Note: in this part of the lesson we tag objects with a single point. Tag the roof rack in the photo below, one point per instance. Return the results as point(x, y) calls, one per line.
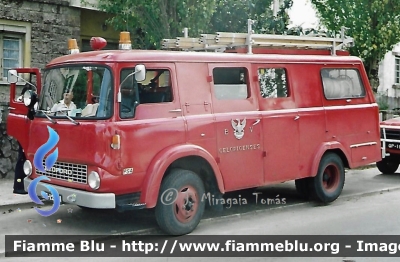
point(223, 40)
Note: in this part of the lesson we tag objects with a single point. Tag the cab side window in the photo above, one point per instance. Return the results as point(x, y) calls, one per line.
point(273, 82)
point(342, 83)
point(230, 83)
point(156, 88)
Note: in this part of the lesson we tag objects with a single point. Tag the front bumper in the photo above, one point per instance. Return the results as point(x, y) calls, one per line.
point(385, 140)
point(77, 197)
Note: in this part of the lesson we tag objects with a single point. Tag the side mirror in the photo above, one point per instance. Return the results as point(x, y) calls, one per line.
point(12, 76)
point(31, 101)
point(140, 73)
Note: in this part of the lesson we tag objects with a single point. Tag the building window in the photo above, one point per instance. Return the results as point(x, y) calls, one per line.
point(397, 70)
point(273, 82)
point(15, 46)
point(11, 52)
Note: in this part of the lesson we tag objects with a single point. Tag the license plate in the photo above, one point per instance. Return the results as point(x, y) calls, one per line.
point(50, 197)
point(393, 146)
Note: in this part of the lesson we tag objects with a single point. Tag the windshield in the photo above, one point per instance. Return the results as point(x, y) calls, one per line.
point(77, 91)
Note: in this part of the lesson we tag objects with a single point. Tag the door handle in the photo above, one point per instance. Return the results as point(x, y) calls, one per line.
point(11, 108)
point(296, 118)
point(175, 110)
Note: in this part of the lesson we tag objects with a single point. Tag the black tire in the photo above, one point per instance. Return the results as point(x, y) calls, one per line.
point(328, 184)
point(386, 166)
point(86, 208)
point(180, 207)
point(303, 187)
point(89, 209)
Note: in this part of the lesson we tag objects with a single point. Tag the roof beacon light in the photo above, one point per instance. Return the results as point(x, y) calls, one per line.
point(125, 41)
point(97, 43)
point(72, 46)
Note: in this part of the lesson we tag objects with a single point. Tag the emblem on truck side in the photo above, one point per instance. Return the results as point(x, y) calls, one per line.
point(239, 128)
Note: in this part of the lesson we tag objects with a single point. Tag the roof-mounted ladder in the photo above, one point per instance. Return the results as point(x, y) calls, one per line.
point(222, 40)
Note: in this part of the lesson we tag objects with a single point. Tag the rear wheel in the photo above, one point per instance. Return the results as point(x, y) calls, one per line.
point(387, 166)
point(180, 207)
point(328, 184)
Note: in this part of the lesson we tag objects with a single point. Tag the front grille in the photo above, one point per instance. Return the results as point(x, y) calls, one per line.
point(391, 134)
point(66, 171)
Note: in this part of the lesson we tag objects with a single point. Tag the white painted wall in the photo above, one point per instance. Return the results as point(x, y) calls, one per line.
point(386, 74)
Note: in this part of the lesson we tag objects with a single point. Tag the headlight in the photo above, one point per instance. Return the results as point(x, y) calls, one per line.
point(94, 180)
point(28, 168)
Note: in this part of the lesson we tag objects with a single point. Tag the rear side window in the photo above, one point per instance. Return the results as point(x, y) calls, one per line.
point(342, 83)
point(230, 83)
point(273, 82)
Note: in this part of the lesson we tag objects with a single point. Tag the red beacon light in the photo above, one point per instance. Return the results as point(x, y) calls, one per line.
point(97, 43)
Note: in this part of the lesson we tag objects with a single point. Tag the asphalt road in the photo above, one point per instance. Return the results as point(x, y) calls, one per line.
point(368, 205)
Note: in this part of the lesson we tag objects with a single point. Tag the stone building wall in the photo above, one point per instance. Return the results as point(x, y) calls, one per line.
point(8, 147)
point(53, 22)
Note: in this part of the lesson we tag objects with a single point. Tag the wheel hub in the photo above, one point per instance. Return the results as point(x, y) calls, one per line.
point(186, 204)
point(330, 178)
point(189, 204)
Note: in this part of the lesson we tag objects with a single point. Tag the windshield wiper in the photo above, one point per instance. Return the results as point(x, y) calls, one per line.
point(66, 115)
point(73, 121)
point(49, 118)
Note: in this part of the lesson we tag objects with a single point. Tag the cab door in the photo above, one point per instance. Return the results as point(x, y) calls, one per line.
point(238, 126)
point(17, 122)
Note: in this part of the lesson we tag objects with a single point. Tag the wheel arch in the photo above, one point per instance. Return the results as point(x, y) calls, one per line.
point(330, 147)
point(186, 156)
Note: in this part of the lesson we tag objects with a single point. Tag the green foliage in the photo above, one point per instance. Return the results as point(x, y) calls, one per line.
point(149, 21)
point(381, 100)
point(374, 25)
point(383, 105)
point(232, 15)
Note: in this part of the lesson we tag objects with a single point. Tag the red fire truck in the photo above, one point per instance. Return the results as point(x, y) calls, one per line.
point(164, 128)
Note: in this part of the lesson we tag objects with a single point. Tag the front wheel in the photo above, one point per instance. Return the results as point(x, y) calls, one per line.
point(180, 207)
point(386, 166)
point(328, 184)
